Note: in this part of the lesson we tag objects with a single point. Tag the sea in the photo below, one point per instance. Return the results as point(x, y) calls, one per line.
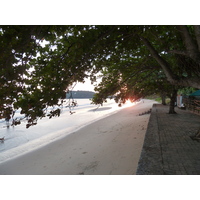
point(20, 140)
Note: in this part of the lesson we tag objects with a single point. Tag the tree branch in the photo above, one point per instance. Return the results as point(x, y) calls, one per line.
point(191, 47)
point(188, 82)
point(184, 53)
point(172, 78)
point(189, 42)
point(165, 66)
point(197, 34)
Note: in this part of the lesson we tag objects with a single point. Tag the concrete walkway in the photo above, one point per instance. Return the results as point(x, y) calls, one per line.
point(168, 148)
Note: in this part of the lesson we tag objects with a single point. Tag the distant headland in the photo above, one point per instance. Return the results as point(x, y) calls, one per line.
point(80, 94)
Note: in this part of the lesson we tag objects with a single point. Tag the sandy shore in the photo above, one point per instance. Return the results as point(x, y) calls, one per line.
point(111, 145)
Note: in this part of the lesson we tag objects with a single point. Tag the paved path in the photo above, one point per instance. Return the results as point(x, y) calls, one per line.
point(167, 148)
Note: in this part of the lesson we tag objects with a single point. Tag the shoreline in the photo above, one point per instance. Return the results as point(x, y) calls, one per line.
point(26, 140)
point(51, 137)
point(111, 145)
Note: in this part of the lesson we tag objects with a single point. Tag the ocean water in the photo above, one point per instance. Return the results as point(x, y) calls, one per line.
point(20, 140)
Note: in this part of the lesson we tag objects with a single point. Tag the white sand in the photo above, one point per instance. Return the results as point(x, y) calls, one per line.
point(111, 145)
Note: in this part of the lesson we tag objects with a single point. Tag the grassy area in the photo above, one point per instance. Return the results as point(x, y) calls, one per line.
point(157, 98)
point(152, 97)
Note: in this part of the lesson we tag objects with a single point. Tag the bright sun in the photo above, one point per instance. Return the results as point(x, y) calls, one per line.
point(128, 103)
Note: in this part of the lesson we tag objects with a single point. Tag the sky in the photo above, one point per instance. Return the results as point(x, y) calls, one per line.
point(84, 86)
point(87, 86)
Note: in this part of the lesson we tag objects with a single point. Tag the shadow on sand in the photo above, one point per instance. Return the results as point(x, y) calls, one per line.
point(99, 109)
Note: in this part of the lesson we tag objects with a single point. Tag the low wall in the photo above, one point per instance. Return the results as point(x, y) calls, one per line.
point(150, 162)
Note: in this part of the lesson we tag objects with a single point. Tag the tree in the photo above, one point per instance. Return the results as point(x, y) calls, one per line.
point(182, 42)
point(131, 83)
point(39, 63)
point(34, 75)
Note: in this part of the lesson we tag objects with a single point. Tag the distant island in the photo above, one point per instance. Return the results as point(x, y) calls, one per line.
point(80, 94)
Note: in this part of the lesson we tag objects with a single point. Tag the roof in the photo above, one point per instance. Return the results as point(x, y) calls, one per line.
point(197, 93)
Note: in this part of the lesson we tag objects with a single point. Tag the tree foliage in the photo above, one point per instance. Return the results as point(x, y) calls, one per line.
point(38, 64)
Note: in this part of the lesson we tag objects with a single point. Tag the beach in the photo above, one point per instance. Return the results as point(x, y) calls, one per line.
point(109, 146)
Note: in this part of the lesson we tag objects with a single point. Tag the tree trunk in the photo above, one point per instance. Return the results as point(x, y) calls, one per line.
point(163, 97)
point(172, 102)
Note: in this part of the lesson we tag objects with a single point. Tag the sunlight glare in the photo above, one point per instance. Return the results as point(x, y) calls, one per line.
point(129, 103)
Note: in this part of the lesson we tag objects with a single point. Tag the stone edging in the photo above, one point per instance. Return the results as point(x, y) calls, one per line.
point(150, 162)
